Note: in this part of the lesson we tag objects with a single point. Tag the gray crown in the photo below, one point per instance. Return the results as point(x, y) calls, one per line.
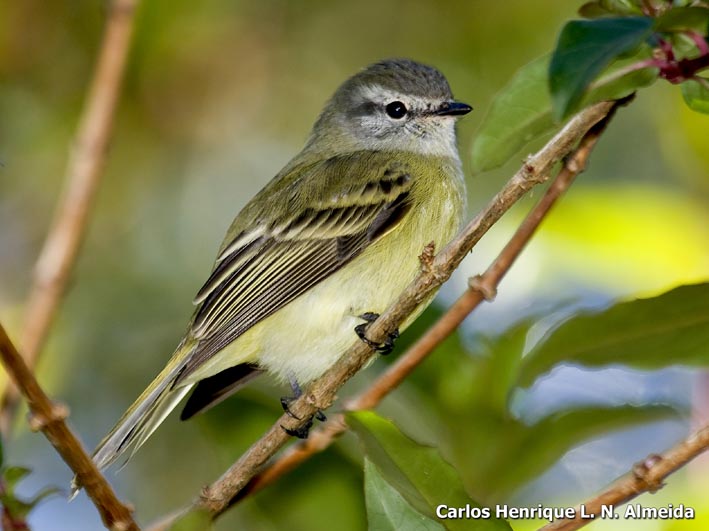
point(404, 76)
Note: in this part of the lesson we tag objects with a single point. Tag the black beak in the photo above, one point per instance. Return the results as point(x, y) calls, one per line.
point(453, 108)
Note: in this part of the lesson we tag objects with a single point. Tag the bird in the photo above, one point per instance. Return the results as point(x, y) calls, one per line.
point(324, 248)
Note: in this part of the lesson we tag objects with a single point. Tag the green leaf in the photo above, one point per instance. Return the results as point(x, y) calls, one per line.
point(16, 507)
point(693, 18)
point(521, 112)
point(593, 10)
point(517, 452)
point(386, 508)
point(683, 46)
point(619, 80)
point(195, 520)
point(13, 475)
point(670, 329)
point(505, 358)
point(605, 8)
point(44, 493)
point(584, 49)
point(418, 473)
point(623, 7)
point(541, 445)
point(696, 95)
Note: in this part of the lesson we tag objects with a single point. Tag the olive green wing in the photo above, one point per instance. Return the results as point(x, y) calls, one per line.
point(268, 264)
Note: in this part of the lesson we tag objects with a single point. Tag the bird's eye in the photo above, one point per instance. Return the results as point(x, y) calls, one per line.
point(396, 110)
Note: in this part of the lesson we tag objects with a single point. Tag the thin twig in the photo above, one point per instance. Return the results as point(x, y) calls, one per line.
point(84, 168)
point(48, 417)
point(217, 497)
point(482, 287)
point(647, 476)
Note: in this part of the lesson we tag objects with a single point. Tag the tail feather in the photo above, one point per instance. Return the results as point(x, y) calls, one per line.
point(145, 415)
point(214, 389)
point(162, 408)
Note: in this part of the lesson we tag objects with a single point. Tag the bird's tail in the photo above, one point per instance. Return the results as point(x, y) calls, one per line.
point(142, 418)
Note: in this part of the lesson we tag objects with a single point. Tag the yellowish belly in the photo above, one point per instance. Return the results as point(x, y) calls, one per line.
point(307, 336)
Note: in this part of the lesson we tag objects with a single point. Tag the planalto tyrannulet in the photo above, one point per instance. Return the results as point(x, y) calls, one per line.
point(329, 243)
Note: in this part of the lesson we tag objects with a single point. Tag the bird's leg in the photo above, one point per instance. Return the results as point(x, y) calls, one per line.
point(288, 400)
point(302, 432)
point(361, 329)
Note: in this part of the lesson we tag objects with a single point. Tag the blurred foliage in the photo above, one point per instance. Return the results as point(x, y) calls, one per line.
point(523, 110)
point(387, 509)
point(638, 334)
point(16, 509)
point(219, 95)
point(197, 520)
point(416, 472)
point(584, 49)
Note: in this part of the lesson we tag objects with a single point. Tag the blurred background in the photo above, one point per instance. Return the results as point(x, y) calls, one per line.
point(218, 96)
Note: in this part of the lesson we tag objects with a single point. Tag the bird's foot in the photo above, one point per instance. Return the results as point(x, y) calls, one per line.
point(303, 431)
point(361, 330)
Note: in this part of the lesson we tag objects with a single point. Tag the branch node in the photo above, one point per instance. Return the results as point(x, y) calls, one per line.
point(207, 497)
point(528, 168)
point(477, 283)
point(121, 525)
point(530, 174)
point(572, 164)
point(39, 422)
point(642, 470)
point(426, 258)
point(312, 400)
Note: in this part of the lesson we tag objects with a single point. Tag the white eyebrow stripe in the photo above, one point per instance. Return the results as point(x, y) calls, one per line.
point(379, 94)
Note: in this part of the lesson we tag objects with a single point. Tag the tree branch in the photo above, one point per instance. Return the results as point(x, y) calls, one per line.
point(84, 169)
point(218, 496)
point(482, 287)
point(647, 476)
point(48, 417)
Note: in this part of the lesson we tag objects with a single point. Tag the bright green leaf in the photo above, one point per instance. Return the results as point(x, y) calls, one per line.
point(670, 329)
point(387, 510)
point(417, 472)
point(684, 18)
point(584, 49)
point(696, 95)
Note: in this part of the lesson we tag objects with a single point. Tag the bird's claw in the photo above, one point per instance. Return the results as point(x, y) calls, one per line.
point(361, 330)
point(303, 431)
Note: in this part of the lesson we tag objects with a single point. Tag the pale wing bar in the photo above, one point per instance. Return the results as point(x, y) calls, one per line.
point(254, 281)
